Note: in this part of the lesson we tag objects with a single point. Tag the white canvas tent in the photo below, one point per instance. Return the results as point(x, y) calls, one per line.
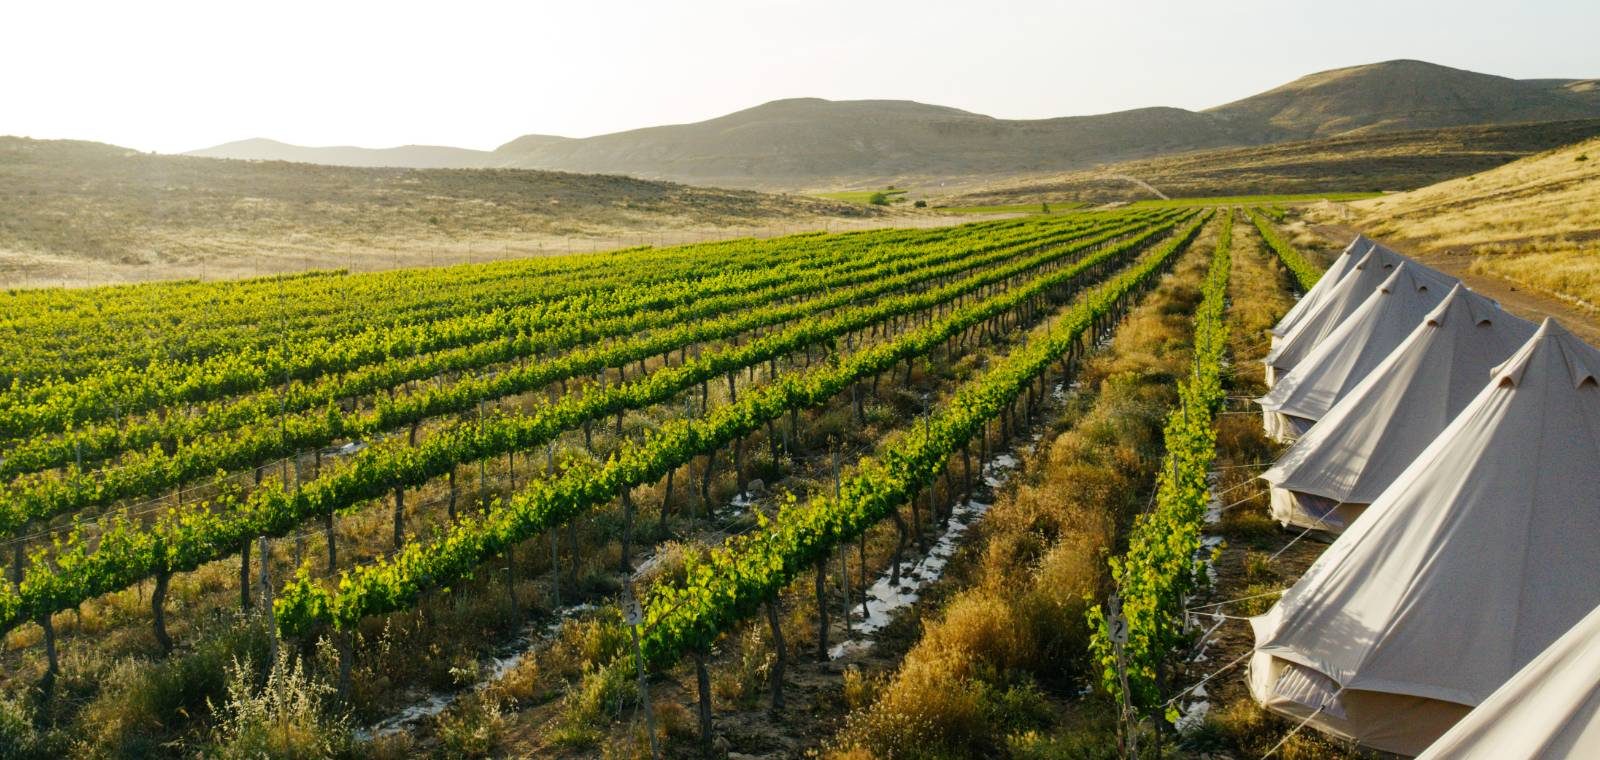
point(1549, 709)
point(1341, 266)
point(1349, 353)
point(1483, 552)
point(1345, 297)
point(1356, 450)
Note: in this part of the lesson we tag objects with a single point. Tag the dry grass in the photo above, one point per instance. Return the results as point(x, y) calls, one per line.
point(1240, 724)
point(979, 678)
point(1535, 222)
point(80, 213)
point(1237, 726)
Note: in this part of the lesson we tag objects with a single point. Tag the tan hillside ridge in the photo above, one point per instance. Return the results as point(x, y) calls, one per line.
point(1533, 222)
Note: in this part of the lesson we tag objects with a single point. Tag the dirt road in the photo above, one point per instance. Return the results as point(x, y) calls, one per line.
point(1519, 300)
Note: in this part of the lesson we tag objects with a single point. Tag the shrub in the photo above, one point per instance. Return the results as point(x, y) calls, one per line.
point(582, 642)
point(137, 703)
point(521, 684)
point(601, 692)
point(1239, 727)
point(675, 722)
point(743, 682)
point(1258, 567)
point(286, 718)
point(860, 690)
point(1016, 707)
point(930, 704)
point(920, 204)
point(18, 738)
point(473, 728)
point(1257, 598)
point(879, 199)
point(1032, 745)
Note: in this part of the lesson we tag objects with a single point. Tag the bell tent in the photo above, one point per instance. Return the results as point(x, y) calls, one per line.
point(1481, 553)
point(1340, 362)
point(1551, 708)
point(1348, 295)
point(1330, 475)
point(1341, 266)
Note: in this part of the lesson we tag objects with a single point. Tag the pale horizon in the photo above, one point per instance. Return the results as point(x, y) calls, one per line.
point(189, 75)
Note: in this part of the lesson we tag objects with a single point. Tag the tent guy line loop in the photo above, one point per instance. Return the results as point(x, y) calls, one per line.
point(1240, 502)
point(1302, 724)
point(1303, 533)
point(1203, 681)
point(1251, 465)
point(1210, 605)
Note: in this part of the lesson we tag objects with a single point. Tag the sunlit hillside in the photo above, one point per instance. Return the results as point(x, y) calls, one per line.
point(1535, 221)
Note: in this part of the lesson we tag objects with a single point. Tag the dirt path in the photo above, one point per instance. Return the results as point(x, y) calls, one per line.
point(1517, 299)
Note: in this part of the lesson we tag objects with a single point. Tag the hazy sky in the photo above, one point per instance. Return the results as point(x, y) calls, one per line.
point(171, 76)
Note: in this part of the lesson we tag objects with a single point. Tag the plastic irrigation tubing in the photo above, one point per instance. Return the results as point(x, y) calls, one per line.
point(394, 583)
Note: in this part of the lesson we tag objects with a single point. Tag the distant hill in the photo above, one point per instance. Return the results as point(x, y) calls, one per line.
point(1400, 95)
point(90, 212)
point(1367, 161)
point(405, 156)
point(811, 143)
point(809, 140)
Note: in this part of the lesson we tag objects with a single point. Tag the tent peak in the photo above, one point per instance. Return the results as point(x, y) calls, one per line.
point(1552, 343)
point(1469, 303)
point(1406, 274)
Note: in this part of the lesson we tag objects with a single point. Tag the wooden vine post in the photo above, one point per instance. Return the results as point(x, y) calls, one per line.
point(399, 517)
point(627, 530)
point(634, 616)
point(822, 608)
point(782, 650)
point(266, 595)
point(158, 603)
point(1117, 630)
point(244, 576)
point(702, 678)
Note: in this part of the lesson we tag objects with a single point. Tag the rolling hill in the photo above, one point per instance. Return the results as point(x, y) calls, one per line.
point(1534, 222)
point(406, 156)
point(1367, 161)
point(83, 212)
point(1401, 95)
point(815, 143)
point(821, 142)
